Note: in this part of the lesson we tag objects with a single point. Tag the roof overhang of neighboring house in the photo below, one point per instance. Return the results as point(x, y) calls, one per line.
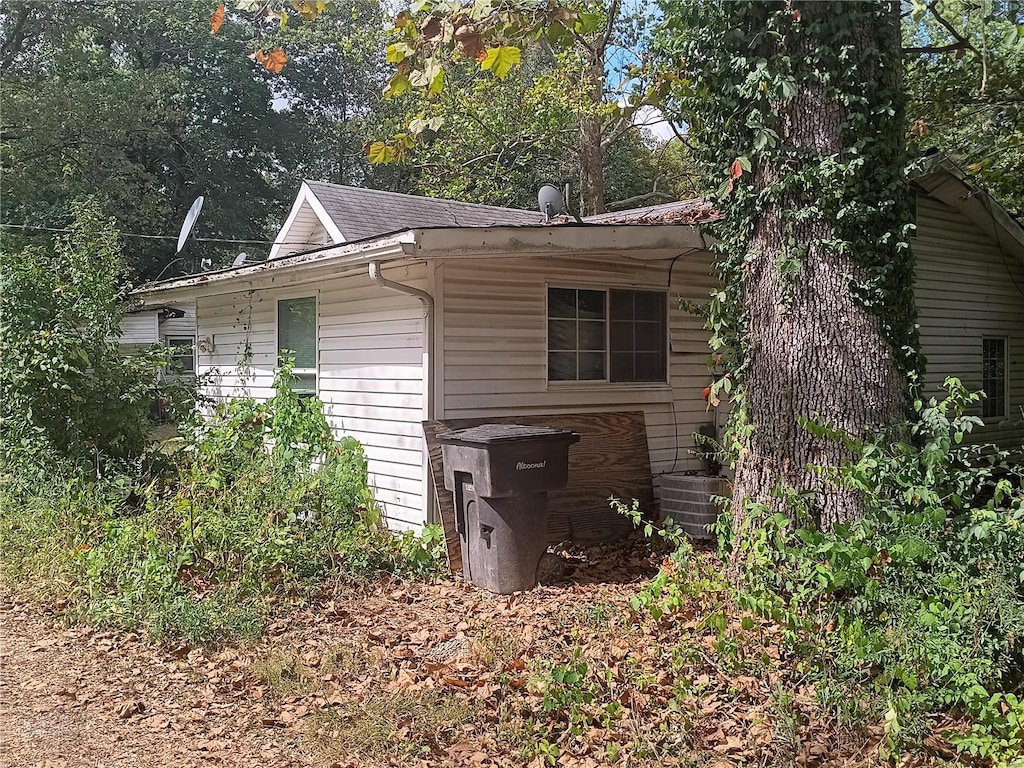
point(646, 242)
point(945, 181)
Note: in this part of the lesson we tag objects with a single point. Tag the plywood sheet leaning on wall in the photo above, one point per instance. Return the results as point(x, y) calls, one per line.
point(611, 459)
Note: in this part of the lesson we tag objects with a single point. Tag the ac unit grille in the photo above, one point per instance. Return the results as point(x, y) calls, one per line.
point(687, 500)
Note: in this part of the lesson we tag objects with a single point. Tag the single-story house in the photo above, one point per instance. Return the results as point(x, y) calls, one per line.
point(403, 309)
point(173, 325)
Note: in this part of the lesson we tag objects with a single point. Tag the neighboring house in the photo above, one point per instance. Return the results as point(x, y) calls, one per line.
point(173, 325)
point(400, 309)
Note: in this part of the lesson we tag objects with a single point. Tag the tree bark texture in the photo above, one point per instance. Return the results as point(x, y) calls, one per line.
point(814, 351)
point(591, 153)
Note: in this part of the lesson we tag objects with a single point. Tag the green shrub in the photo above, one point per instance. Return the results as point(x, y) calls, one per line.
point(259, 503)
point(68, 395)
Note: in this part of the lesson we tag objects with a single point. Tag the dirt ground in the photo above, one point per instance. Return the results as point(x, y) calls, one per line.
point(418, 674)
point(82, 697)
point(76, 696)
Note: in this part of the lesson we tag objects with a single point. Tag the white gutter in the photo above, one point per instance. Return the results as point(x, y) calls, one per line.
point(330, 260)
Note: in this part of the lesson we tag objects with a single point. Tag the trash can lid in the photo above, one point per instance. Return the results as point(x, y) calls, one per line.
point(485, 434)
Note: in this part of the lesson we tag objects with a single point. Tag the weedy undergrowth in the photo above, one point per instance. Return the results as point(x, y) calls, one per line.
point(260, 503)
point(915, 609)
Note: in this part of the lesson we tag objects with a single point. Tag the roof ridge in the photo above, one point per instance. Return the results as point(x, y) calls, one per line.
point(418, 197)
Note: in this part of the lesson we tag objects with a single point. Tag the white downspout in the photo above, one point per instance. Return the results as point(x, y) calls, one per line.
point(428, 329)
point(428, 363)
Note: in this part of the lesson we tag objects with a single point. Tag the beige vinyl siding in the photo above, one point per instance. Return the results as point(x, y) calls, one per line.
point(965, 291)
point(370, 371)
point(493, 340)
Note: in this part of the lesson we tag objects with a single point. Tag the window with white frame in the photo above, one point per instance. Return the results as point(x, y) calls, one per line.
point(183, 354)
point(296, 338)
point(993, 377)
point(607, 335)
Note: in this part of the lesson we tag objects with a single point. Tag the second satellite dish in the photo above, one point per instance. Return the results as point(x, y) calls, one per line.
point(550, 201)
point(189, 223)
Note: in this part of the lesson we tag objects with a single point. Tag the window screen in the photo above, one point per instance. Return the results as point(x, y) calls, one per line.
point(296, 331)
point(993, 377)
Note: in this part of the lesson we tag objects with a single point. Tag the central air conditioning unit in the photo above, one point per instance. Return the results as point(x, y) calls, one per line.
point(687, 500)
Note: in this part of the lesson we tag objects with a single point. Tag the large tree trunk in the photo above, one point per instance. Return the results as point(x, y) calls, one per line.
point(591, 154)
point(813, 349)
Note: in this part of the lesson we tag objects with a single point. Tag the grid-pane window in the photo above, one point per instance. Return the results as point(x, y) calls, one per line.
point(296, 338)
point(577, 330)
point(599, 335)
point(993, 377)
point(637, 336)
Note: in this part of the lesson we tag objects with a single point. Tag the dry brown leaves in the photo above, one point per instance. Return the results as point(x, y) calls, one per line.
point(437, 674)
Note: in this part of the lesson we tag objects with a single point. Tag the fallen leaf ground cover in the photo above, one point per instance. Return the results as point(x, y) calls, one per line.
point(436, 674)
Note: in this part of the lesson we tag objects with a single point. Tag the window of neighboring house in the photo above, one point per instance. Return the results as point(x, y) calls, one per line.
point(296, 338)
point(993, 377)
point(183, 357)
point(607, 335)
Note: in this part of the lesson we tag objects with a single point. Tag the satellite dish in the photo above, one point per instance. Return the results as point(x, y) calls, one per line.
point(550, 201)
point(189, 223)
point(240, 259)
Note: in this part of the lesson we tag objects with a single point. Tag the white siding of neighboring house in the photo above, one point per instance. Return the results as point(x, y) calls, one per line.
point(179, 327)
point(139, 328)
point(493, 333)
point(965, 290)
point(370, 372)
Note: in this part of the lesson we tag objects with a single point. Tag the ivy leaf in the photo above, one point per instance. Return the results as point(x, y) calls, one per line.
point(736, 169)
point(499, 61)
point(217, 19)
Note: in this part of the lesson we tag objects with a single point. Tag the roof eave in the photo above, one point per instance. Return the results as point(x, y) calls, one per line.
point(947, 182)
point(300, 267)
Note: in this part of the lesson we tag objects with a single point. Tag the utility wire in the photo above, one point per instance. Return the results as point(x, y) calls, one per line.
point(158, 237)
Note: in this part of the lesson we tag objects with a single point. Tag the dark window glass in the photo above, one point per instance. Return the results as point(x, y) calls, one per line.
point(562, 366)
point(183, 358)
point(638, 349)
point(576, 335)
point(993, 378)
point(296, 331)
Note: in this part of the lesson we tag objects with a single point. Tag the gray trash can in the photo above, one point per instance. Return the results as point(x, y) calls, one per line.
point(500, 475)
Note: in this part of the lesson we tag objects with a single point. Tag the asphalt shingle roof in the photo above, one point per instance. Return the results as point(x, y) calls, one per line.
point(361, 213)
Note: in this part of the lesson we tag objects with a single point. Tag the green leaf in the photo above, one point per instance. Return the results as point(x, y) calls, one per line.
point(499, 61)
point(380, 153)
point(587, 22)
point(398, 85)
point(397, 53)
